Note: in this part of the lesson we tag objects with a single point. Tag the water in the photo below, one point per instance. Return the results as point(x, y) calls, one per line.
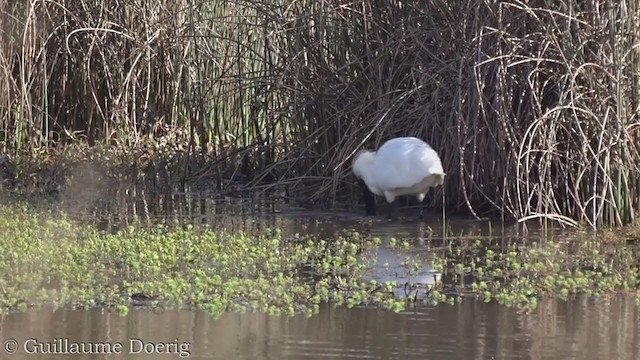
point(575, 329)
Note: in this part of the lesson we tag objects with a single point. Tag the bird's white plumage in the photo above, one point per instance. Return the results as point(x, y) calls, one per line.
point(401, 166)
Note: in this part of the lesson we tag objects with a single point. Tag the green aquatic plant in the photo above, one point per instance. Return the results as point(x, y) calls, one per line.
point(520, 274)
point(48, 259)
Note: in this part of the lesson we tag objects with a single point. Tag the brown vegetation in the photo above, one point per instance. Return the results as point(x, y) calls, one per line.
point(533, 105)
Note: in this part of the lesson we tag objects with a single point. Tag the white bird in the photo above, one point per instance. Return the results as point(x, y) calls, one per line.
point(401, 166)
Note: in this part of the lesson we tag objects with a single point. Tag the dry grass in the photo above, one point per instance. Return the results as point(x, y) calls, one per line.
point(533, 105)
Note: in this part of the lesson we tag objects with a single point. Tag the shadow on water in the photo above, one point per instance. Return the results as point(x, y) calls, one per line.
point(574, 329)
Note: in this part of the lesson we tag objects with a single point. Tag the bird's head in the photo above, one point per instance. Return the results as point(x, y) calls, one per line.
point(438, 179)
point(361, 161)
point(360, 165)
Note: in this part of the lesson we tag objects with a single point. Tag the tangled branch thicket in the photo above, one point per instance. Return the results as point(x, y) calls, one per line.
point(533, 105)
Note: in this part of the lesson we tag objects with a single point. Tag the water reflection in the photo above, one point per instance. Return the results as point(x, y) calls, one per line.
point(578, 329)
point(114, 207)
point(409, 268)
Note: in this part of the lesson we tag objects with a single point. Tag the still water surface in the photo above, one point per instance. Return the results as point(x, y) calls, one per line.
point(471, 330)
point(575, 329)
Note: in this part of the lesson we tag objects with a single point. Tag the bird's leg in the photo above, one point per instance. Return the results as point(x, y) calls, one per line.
point(369, 199)
point(391, 200)
point(391, 206)
point(421, 204)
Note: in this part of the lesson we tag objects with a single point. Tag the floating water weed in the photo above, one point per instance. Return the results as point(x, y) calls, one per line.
point(518, 275)
point(48, 259)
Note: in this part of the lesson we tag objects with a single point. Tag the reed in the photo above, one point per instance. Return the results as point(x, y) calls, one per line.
point(533, 105)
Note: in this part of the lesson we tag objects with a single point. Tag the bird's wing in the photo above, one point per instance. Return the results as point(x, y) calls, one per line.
point(405, 163)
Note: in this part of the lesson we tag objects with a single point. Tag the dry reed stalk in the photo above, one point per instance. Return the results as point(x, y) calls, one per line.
point(532, 105)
